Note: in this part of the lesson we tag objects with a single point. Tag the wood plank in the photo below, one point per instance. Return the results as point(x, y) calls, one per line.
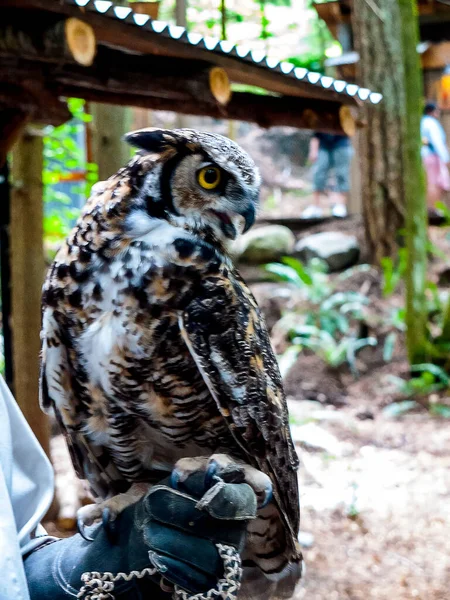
point(27, 275)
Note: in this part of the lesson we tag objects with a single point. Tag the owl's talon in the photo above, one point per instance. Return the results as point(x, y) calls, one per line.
point(109, 525)
point(81, 527)
point(175, 479)
point(210, 474)
point(268, 495)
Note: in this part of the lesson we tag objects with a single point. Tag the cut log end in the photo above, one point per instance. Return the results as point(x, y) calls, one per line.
point(81, 41)
point(347, 120)
point(219, 85)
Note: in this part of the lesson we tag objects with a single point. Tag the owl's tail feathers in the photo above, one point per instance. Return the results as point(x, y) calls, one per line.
point(258, 586)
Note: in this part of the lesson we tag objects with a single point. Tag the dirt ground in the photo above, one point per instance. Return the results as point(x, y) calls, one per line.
point(375, 490)
point(376, 502)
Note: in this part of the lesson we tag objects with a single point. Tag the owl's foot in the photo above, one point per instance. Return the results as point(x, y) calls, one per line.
point(230, 470)
point(108, 510)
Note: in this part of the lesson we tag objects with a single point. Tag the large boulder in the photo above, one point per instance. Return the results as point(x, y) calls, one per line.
point(264, 244)
point(338, 250)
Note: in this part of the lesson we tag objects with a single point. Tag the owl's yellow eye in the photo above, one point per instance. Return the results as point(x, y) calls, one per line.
point(209, 177)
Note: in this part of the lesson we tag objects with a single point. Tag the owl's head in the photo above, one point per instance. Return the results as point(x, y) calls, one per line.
point(198, 180)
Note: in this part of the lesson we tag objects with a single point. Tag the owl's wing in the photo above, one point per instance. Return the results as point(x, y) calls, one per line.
point(227, 337)
point(60, 391)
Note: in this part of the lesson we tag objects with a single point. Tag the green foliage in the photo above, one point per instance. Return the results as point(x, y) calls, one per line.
point(313, 279)
point(334, 352)
point(440, 410)
point(393, 273)
point(429, 379)
point(62, 155)
point(318, 42)
point(329, 326)
point(436, 308)
point(398, 409)
point(313, 61)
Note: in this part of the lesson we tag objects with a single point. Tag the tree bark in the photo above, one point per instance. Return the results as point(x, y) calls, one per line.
point(377, 25)
point(414, 186)
point(391, 168)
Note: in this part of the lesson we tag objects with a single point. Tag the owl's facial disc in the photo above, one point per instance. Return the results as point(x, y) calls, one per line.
point(206, 194)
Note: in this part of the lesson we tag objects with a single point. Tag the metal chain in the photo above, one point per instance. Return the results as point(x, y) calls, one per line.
point(227, 588)
point(100, 586)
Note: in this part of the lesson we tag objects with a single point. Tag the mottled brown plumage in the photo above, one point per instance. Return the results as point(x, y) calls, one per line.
point(154, 349)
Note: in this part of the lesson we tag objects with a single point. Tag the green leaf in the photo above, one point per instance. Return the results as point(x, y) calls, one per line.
point(389, 345)
point(299, 268)
point(397, 409)
point(284, 273)
point(438, 372)
point(355, 346)
point(440, 410)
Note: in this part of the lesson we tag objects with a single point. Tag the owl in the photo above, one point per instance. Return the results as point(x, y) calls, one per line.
point(155, 355)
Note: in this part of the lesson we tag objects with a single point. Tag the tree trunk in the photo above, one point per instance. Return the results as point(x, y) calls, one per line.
point(414, 186)
point(391, 169)
point(377, 25)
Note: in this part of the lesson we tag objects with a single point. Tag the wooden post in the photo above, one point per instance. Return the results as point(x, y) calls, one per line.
point(355, 198)
point(181, 20)
point(5, 277)
point(109, 124)
point(27, 275)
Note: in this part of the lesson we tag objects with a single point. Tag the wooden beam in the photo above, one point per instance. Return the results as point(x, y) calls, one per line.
point(437, 56)
point(22, 95)
point(27, 275)
point(70, 38)
point(266, 111)
point(117, 72)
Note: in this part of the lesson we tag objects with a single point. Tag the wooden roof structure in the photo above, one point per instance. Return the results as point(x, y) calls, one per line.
point(51, 49)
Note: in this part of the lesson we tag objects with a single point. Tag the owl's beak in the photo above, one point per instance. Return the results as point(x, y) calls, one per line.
point(249, 214)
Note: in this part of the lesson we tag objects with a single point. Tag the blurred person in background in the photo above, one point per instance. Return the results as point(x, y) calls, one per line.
point(435, 156)
point(329, 153)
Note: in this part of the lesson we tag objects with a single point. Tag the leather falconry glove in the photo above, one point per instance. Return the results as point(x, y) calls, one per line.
point(182, 543)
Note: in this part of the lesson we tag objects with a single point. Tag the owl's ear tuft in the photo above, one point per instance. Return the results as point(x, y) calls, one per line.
point(151, 139)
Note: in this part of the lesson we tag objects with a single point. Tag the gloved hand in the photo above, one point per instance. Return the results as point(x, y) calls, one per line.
point(173, 541)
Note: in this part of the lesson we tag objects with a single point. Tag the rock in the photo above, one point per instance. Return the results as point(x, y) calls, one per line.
point(264, 244)
point(252, 274)
point(307, 411)
point(338, 250)
point(274, 299)
point(306, 539)
point(313, 437)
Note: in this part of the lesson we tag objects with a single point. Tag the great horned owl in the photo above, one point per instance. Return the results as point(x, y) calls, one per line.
point(154, 349)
